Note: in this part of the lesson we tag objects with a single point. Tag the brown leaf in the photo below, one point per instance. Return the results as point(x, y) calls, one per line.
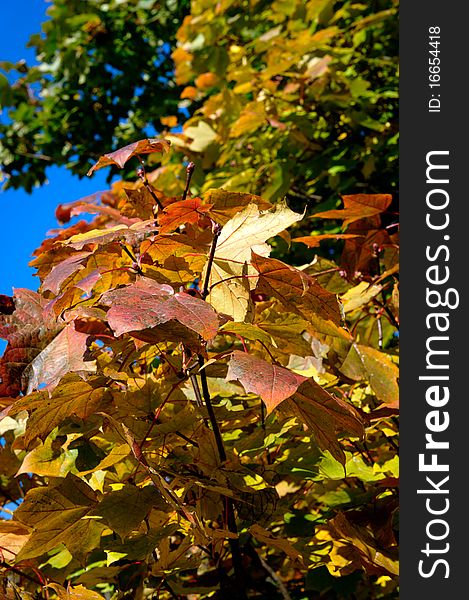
point(63, 355)
point(272, 383)
point(299, 293)
point(7, 305)
point(226, 204)
point(179, 213)
point(121, 156)
point(27, 332)
point(146, 304)
point(326, 415)
point(358, 206)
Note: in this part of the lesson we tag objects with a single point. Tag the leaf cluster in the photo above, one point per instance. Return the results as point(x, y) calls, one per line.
point(186, 416)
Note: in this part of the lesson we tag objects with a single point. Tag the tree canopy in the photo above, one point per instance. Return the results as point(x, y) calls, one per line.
point(287, 96)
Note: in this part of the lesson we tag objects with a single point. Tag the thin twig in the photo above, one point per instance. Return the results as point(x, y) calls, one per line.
point(144, 179)
point(216, 234)
point(273, 575)
point(189, 170)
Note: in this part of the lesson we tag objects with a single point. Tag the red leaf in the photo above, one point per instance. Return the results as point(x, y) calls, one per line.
point(147, 304)
point(27, 332)
point(299, 293)
point(179, 213)
point(272, 383)
point(121, 156)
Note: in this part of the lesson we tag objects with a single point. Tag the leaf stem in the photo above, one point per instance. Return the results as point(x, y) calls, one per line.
point(216, 228)
point(189, 170)
point(143, 177)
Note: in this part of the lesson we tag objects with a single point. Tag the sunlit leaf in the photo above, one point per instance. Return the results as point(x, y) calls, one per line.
point(148, 304)
point(121, 156)
point(272, 383)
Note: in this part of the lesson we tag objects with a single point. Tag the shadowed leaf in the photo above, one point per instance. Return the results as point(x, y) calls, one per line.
point(299, 293)
point(325, 415)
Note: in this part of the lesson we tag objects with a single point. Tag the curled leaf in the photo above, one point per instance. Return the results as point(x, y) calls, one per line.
point(121, 156)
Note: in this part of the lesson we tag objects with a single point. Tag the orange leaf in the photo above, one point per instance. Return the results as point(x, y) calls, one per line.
point(179, 213)
point(358, 206)
point(313, 241)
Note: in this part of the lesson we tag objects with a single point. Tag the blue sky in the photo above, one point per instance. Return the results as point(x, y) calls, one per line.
point(25, 217)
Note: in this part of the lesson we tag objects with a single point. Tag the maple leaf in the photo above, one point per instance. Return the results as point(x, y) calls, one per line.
point(27, 332)
point(55, 513)
point(72, 397)
point(63, 355)
point(53, 281)
point(299, 293)
point(247, 231)
point(146, 304)
point(180, 213)
point(121, 156)
point(272, 383)
point(358, 206)
point(226, 204)
point(325, 415)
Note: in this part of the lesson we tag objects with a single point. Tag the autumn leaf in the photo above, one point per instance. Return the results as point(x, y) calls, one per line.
point(366, 363)
point(72, 397)
point(114, 507)
point(72, 592)
point(121, 156)
point(299, 293)
point(226, 204)
point(180, 213)
point(55, 513)
point(147, 304)
point(272, 383)
point(358, 206)
point(118, 232)
point(65, 354)
point(325, 415)
point(271, 541)
point(53, 281)
point(314, 241)
point(14, 536)
point(247, 231)
point(27, 331)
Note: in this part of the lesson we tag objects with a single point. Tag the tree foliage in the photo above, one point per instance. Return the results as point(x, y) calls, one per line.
point(104, 78)
point(186, 416)
point(288, 96)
